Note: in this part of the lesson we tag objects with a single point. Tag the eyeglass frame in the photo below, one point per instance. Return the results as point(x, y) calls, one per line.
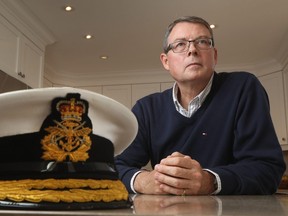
point(189, 43)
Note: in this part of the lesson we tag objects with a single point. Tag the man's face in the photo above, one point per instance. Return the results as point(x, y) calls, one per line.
point(194, 64)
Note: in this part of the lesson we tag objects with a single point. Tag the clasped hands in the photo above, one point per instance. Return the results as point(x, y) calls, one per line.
point(176, 174)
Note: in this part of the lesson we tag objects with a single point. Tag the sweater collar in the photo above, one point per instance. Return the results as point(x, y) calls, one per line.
point(195, 103)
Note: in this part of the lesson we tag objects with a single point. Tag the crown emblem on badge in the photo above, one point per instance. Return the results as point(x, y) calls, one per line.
point(71, 109)
point(68, 138)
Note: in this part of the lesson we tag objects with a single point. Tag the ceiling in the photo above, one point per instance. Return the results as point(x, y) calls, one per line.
point(130, 32)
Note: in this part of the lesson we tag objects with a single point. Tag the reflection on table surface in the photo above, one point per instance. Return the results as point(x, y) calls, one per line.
point(185, 205)
point(211, 205)
point(198, 205)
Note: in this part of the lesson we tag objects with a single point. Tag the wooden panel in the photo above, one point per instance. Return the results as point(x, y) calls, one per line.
point(141, 90)
point(273, 83)
point(120, 93)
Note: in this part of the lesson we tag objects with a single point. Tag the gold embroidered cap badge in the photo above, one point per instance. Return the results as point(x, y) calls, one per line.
point(68, 137)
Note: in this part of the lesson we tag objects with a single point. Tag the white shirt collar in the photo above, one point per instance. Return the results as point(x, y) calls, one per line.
point(195, 103)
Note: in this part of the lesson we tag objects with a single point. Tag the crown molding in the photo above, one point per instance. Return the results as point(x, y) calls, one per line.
point(146, 76)
point(257, 68)
point(17, 14)
point(282, 54)
point(109, 78)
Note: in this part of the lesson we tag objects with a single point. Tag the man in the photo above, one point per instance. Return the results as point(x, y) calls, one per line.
point(210, 134)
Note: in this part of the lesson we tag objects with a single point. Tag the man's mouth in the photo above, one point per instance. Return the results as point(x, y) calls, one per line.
point(193, 64)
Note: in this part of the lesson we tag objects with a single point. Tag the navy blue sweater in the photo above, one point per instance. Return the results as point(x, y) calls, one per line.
point(231, 134)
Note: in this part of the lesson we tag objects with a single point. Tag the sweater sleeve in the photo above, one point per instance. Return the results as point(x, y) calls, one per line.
point(136, 155)
point(258, 161)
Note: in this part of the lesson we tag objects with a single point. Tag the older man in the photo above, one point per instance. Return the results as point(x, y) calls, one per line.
point(210, 134)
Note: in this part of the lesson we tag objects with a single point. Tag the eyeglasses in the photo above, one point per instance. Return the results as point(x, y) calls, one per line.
point(183, 45)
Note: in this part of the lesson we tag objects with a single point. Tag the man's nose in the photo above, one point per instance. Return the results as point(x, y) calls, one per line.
point(192, 48)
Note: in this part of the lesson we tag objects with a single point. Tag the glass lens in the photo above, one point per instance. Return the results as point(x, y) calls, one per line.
point(180, 46)
point(203, 43)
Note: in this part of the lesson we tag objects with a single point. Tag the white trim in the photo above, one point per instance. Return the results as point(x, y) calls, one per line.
point(144, 76)
point(19, 16)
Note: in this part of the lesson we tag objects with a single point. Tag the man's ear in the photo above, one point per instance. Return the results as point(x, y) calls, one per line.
point(164, 60)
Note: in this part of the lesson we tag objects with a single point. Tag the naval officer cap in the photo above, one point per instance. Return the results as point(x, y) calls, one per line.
point(58, 147)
